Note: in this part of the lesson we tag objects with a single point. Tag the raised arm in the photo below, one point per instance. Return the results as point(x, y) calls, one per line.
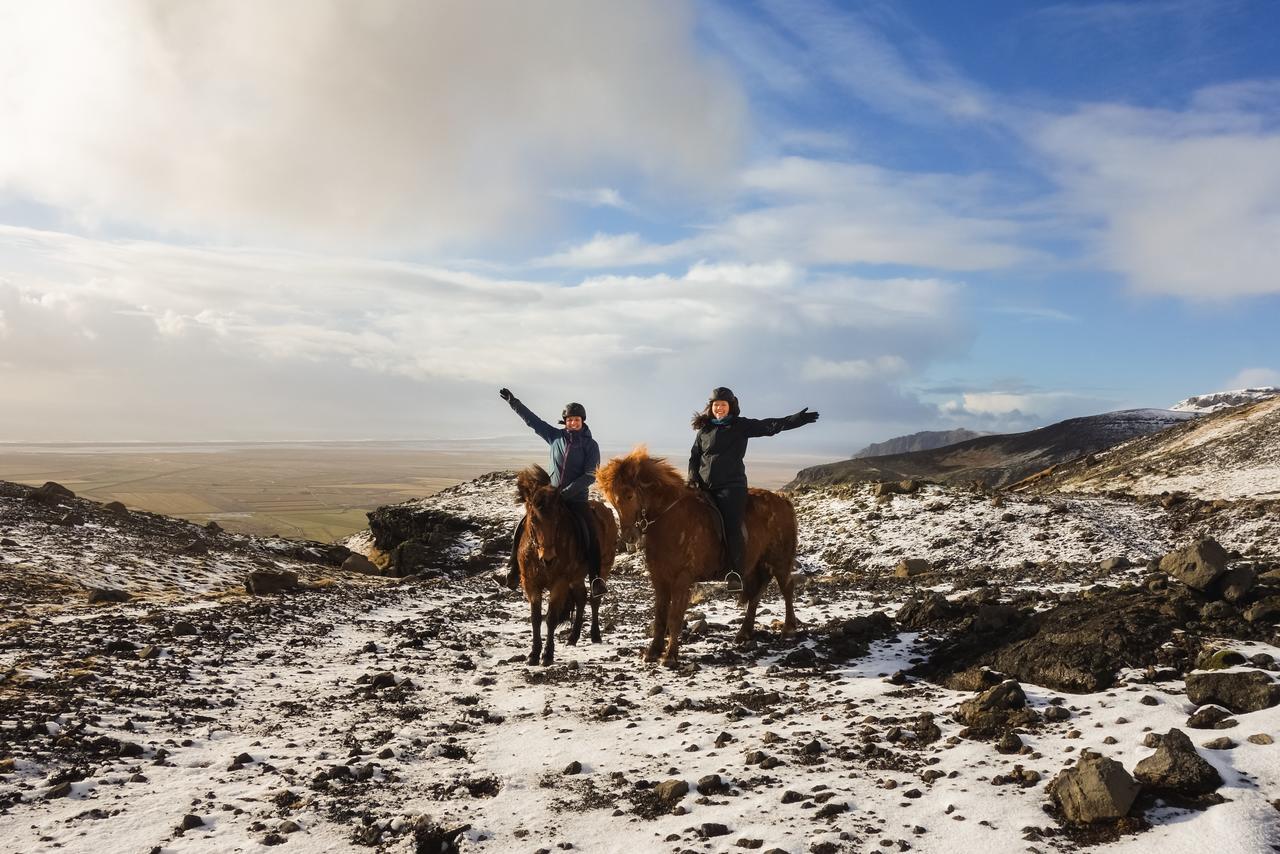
point(756, 427)
point(546, 431)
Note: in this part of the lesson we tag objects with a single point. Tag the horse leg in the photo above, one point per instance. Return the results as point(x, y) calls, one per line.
point(661, 603)
point(579, 594)
point(535, 618)
point(595, 619)
point(556, 601)
point(675, 622)
point(788, 589)
point(746, 634)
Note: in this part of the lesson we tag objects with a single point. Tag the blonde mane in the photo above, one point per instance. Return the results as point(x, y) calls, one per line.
point(638, 469)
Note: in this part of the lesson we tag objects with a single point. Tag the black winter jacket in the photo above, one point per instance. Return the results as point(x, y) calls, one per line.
point(716, 460)
point(575, 456)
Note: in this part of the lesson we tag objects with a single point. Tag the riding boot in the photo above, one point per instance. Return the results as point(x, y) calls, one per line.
point(595, 584)
point(732, 503)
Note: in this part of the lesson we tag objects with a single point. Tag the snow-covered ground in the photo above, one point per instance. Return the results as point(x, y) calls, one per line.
point(330, 719)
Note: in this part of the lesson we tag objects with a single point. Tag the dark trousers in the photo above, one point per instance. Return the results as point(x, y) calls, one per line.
point(732, 503)
point(582, 511)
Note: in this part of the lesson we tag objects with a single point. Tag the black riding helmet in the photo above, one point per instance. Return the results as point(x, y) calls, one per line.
point(726, 395)
point(573, 409)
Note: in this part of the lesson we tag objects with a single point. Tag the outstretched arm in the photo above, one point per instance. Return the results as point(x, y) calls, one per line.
point(773, 426)
point(542, 428)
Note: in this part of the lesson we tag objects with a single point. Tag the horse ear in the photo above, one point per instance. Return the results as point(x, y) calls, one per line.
point(528, 481)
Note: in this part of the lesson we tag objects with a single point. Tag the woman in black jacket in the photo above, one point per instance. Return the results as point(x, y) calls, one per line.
point(716, 463)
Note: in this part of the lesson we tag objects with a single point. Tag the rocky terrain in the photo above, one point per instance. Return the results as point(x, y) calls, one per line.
point(975, 671)
point(1231, 455)
point(925, 440)
point(1205, 404)
point(999, 460)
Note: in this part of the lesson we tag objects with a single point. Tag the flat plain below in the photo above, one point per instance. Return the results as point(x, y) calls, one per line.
point(310, 490)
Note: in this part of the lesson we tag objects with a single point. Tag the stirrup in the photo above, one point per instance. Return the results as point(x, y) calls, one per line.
point(733, 582)
point(598, 588)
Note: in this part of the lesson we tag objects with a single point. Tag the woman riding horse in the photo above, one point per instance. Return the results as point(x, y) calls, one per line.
point(575, 456)
point(716, 464)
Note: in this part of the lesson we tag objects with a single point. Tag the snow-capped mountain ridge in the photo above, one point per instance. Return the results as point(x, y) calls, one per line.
point(1205, 404)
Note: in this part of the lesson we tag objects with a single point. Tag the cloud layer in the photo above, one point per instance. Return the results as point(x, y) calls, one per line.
point(381, 124)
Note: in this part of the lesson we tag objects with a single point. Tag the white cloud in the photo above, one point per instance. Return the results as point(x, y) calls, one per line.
point(881, 367)
point(1184, 203)
point(814, 211)
point(1253, 378)
point(100, 326)
point(389, 124)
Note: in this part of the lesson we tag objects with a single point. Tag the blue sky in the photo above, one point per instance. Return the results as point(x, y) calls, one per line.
point(909, 215)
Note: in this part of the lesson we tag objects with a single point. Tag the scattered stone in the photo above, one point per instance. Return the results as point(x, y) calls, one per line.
point(106, 595)
point(913, 566)
point(361, 564)
point(1177, 767)
point(574, 767)
point(1237, 583)
point(191, 822)
point(1197, 565)
point(51, 494)
point(1009, 743)
point(1241, 691)
point(672, 791)
point(115, 508)
point(263, 582)
point(1113, 564)
point(712, 784)
point(1261, 738)
point(996, 709)
point(1095, 788)
point(1220, 743)
point(1211, 717)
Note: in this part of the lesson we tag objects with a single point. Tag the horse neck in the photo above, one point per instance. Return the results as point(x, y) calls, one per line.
point(660, 496)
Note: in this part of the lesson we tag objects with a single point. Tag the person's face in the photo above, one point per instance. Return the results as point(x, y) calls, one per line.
point(573, 423)
point(719, 408)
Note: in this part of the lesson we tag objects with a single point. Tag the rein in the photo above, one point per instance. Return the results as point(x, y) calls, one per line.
point(644, 523)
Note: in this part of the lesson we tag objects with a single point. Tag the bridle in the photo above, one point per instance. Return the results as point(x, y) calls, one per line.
point(644, 523)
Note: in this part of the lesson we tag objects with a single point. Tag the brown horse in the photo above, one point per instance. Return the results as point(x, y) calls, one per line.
point(552, 557)
point(682, 545)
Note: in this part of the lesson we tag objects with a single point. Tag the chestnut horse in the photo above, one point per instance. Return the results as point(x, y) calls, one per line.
point(552, 557)
point(682, 545)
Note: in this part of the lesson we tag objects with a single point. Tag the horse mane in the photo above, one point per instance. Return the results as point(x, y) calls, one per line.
point(529, 481)
point(638, 468)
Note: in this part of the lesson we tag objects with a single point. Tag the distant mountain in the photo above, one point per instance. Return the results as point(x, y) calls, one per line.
point(1001, 459)
point(925, 440)
point(1217, 401)
point(1233, 453)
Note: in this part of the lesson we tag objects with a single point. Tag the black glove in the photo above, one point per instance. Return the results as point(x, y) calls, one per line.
point(505, 394)
point(804, 416)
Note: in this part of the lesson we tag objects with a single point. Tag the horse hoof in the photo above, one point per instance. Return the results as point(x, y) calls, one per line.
point(746, 643)
point(532, 659)
point(670, 663)
point(546, 661)
point(571, 641)
point(595, 637)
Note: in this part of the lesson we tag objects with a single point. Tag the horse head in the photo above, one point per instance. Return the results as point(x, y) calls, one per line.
point(633, 485)
point(545, 512)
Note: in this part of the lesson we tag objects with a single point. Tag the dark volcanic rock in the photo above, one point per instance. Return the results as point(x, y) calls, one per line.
point(1241, 691)
point(1197, 565)
point(51, 494)
point(933, 609)
point(104, 595)
point(1080, 645)
point(996, 710)
point(361, 564)
point(1177, 767)
point(1096, 788)
point(262, 581)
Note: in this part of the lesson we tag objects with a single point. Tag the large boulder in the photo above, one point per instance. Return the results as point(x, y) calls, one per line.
point(996, 710)
point(51, 494)
point(931, 610)
point(1096, 788)
point(1197, 565)
point(261, 582)
point(912, 566)
point(1241, 691)
point(1237, 582)
point(901, 487)
point(361, 564)
point(1177, 767)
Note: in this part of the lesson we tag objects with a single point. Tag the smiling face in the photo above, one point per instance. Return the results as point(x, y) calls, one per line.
point(573, 424)
point(720, 408)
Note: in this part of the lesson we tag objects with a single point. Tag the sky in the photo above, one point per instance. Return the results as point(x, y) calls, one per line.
point(317, 219)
